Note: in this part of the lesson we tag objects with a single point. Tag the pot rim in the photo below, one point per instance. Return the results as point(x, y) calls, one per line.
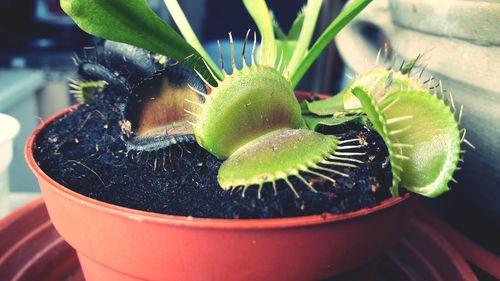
point(188, 221)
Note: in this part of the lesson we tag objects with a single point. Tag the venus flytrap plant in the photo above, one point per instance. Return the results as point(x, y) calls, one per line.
point(84, 91)
point(254, 110)
point(415, 119)
point(251, 118)
point(248, 103)
point(422, 137)
point(155, 89)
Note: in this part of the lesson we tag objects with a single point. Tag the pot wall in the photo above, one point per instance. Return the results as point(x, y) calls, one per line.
point(116, 243)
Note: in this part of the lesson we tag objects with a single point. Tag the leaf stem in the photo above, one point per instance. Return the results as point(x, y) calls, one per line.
point(187, 32)
point(326, 37)
point(262, 16)
point(311, 12)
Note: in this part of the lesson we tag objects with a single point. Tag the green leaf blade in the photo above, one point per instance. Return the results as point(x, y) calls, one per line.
point(310, 15)
point(327, 36)
point(262, 17)
point(314, 122)
point(277, 29)
point(294, 32)
point(286, 47)
point(185, 28)
point(324, 107)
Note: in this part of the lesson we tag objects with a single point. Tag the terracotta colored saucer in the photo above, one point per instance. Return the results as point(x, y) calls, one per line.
point(31, 249)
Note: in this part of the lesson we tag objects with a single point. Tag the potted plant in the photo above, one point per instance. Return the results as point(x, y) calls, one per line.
point(218, 147)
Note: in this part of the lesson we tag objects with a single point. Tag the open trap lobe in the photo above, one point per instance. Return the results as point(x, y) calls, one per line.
point(158, 106)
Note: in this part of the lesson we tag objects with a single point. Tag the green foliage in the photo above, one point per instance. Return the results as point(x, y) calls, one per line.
point(314, 122)
point(324, 107)
point(379, 123)
point(418, 128)
point(380, 83)
point(432, 138)
point(278, 31)
point(253, 120)
point(286, 47)
point(294, 32)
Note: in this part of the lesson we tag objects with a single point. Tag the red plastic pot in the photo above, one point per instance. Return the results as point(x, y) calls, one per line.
point(116, 243)
point(423, 253)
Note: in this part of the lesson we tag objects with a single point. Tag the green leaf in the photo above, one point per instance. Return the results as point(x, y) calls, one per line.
point(287, 47)
point(133, 22)
point(314, 122)
point(294, 32)
point(311, 12)
point(182, 23)
point(326, 37)
point(262, 16)
point(277, 28)
point(323, 107)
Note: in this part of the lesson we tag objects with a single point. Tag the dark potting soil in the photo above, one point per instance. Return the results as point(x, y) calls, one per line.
point(85, 151)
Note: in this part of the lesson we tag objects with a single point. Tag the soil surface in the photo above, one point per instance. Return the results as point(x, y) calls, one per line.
point(86, 151)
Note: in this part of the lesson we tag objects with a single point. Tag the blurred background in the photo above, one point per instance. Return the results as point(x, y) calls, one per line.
point(462, 38)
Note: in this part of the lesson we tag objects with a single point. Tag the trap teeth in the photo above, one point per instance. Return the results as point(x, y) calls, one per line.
point(280, 155)
point(379, 83)
point(156, 142)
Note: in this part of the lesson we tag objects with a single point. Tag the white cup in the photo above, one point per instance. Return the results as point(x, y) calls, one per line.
point(9, 128)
